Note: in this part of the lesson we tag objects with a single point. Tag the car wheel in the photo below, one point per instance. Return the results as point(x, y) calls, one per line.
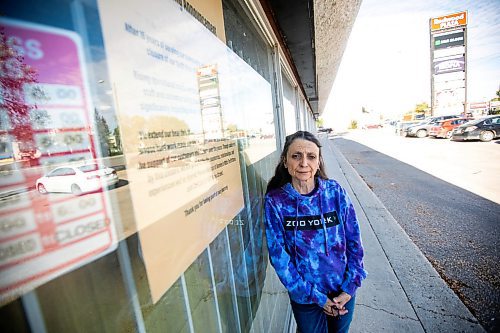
point(76, 190)
point(41, 189)
point(449, 134)
point(486, 136)
point(421, 133)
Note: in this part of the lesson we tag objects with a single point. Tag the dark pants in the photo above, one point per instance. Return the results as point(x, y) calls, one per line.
point(310, 318)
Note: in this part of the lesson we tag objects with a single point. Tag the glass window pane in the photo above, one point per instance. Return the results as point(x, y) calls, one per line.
point(240, 271)
point(110, 290)
point(289, 107)
point(69, 302)
point(201, 295)
point(224, 282)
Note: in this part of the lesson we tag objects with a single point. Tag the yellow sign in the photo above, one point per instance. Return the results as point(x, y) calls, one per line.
point(449, 21)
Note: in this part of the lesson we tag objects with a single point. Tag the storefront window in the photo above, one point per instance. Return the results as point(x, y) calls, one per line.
point(242, 37)
point(289, 104)
point(135, 149)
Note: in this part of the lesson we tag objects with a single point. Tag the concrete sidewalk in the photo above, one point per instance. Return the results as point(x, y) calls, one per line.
point(403, 292)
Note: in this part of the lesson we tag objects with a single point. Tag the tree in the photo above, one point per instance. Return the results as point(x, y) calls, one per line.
point(15, 75)
point(102, 130)
point(422, 107)
point(232, 128)
point(118, 139)
point(319, 122)
point(498, 96)
point(421, 110)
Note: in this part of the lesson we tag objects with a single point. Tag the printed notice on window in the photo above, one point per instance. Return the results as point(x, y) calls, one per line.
point(182, 153)
point(46, 122)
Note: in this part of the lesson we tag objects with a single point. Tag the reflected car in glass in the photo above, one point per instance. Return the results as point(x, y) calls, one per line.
point(444, 128)
point(77, 179)
point(484, 129)
point(327, 130)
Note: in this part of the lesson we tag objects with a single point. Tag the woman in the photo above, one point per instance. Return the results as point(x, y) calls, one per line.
point(313, 238)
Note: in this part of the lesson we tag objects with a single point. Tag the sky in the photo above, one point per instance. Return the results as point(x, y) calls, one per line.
point(386, 63)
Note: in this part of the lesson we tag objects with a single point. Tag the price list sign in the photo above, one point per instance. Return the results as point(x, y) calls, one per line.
point(46, 105)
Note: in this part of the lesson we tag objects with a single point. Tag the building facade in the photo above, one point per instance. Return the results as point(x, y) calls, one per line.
point(200, 94)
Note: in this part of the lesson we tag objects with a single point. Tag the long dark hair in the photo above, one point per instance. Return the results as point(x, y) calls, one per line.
point(281, 175)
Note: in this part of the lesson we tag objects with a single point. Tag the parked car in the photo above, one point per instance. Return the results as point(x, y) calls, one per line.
point(444, 128)
point(484, 129)
point(77, 179)
point(401, 126)
point(371, 126)
point(327, 130)
point(421, 130)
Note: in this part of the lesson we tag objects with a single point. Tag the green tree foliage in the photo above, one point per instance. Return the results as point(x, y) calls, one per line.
point(422, 107)
point(354, 124)
point(319, 122)
point(232, 127)
point(498, 96)
point(116, 133)
point(102, 131)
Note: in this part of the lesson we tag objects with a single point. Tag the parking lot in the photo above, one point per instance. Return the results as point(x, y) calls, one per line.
point(471, 165)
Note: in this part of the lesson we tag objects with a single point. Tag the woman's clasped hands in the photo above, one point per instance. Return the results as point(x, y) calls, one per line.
point(336, 306)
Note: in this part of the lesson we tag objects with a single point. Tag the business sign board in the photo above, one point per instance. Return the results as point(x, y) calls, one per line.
point(449, 64)
point(42, 237)
point(448, 21)
point(450, 96)
point(455, 38)
point(494, 104)
point(448, 84)
point(479, 105)
point(451, 76)
point(450, 51)
point(448, 36)
point(449, 102)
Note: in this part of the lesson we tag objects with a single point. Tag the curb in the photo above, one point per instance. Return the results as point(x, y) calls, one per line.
point(437, 307)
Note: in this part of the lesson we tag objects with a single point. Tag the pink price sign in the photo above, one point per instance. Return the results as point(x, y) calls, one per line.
point(46, 97)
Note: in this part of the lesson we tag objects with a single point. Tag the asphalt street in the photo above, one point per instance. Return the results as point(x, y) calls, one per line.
point(457, 230)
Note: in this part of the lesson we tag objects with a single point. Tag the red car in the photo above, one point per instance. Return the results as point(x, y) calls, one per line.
point(372, 126)
point(445, 128)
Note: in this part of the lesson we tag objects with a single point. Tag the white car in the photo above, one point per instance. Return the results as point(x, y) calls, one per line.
point(77, 179)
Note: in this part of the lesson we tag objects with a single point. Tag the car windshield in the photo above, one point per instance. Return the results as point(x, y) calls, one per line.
point(437, 120)
point(89, 168)
point(475, 122)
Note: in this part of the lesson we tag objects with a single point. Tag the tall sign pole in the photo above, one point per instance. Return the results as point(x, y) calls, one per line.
point(448, 49)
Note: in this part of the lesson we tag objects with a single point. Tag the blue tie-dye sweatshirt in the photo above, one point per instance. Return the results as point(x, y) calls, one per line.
point(314, 241)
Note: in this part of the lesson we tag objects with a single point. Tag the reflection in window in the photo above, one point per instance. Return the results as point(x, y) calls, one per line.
point(289, 106)
point(223, 287)
point(243, 38)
